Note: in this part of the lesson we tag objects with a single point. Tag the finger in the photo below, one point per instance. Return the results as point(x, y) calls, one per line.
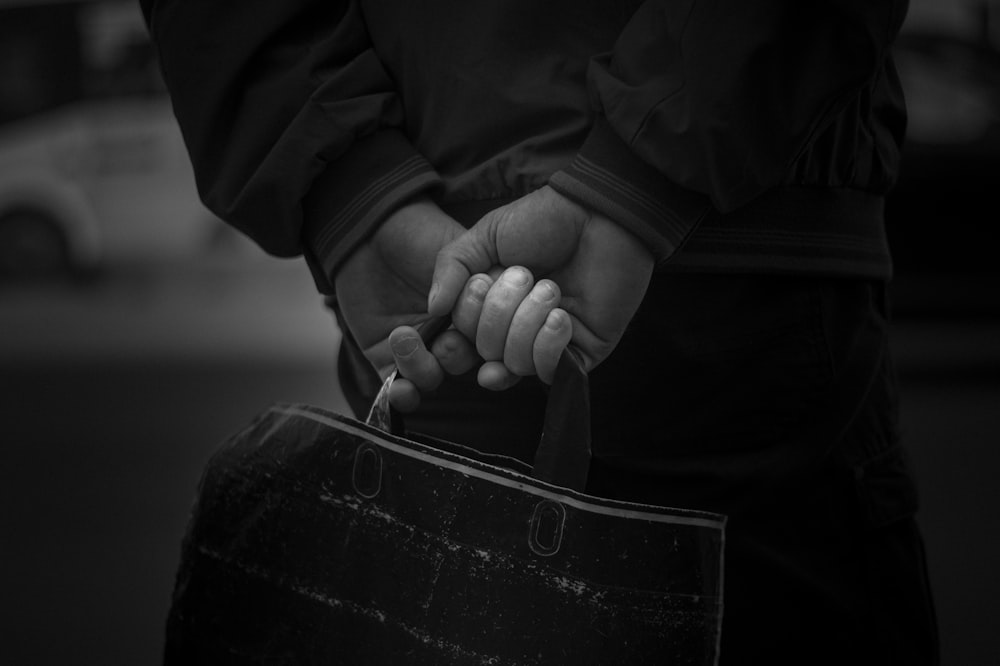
point(550, 343)
point(501, 303)
point(518, 354)
point(403, 395)
point(454, 352)
point(469, 306)
point(495, 376)
point(472, 252)
point(413, 359)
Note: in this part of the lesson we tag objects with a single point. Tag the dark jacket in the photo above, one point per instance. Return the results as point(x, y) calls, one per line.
point(729, 135)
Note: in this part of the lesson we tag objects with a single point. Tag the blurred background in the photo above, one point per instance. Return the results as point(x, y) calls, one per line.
point(137, 331)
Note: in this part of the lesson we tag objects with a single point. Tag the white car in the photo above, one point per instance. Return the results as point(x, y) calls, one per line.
point(93, 169)
point(97, 182)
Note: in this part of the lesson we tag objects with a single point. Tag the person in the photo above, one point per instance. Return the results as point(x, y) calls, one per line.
point(688, 193)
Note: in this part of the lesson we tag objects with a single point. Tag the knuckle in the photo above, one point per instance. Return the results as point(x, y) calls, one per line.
point(465, 323)
point(428, 379)
point(519, 365)
point(487, 348)
point(517, 356)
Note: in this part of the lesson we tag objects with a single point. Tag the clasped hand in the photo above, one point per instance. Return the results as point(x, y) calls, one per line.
point(524, 282)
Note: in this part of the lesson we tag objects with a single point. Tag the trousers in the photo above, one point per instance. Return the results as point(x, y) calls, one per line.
point(773, 400)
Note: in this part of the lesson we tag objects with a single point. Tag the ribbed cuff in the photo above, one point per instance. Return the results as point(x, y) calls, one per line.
point(818, 231)
point(607, 177)
point(356, 193)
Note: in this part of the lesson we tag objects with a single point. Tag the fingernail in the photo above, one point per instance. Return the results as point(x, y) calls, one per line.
point(478, 288)
point(435, 288)
point(405, 346)
point(517, 276)
point(555, 321)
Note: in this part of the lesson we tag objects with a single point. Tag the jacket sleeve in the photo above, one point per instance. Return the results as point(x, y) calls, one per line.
point(291, 121)
point(708, 103)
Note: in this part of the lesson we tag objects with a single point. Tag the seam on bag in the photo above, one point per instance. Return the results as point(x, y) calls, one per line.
point(555, 494)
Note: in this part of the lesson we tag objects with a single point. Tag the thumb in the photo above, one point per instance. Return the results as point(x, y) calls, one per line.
point(473, 252)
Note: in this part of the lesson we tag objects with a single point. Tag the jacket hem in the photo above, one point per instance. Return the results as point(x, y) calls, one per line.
point(800, 230)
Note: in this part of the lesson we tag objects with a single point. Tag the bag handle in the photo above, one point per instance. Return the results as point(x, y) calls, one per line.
point(563, 454)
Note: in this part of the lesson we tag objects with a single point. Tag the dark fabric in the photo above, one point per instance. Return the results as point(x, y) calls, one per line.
point(309, 121)
point(793, 231)
point(772, 400)
point(724, 97)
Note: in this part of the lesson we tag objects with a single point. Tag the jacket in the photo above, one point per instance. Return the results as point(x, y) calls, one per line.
point(727, 135)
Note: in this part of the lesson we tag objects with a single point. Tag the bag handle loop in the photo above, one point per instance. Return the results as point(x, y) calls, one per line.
point(563, 454)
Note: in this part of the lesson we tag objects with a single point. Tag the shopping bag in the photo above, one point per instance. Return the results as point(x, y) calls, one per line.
point(320, 539)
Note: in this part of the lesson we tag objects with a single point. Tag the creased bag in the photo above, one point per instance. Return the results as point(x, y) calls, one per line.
point(319, 539)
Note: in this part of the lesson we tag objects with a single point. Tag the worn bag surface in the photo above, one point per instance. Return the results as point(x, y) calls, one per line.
point(320, 539)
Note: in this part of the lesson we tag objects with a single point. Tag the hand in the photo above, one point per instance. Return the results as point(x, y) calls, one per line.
point(601, 269)
point(507, 303)
point(383, 285)
point(516, 324)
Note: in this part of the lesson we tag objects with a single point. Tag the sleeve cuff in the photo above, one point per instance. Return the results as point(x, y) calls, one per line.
point(355, 194)
point(608, 177)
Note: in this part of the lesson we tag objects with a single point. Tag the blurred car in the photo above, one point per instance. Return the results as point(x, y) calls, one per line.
point(942, 213)
point(93, 169)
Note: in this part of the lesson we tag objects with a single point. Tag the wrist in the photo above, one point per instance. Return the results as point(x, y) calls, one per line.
point(408, 240)
point(622, 241)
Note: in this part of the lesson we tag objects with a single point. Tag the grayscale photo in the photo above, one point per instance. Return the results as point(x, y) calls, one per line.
point(499, 332)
